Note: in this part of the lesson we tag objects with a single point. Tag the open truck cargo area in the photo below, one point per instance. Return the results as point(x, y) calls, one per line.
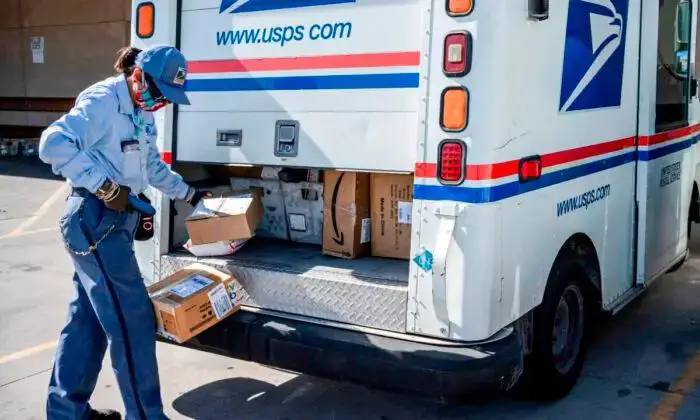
point(296, 279)
point(514, 170)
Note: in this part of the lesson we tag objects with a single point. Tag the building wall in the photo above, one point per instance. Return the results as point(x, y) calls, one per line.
point(81, 38)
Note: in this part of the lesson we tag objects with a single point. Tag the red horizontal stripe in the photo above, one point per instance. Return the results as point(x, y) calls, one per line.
point(566, 156)
point(492, 170)
point(393, 59)
point(503, 169)
point(474, 172)
point(167, 157)
point(668, 135)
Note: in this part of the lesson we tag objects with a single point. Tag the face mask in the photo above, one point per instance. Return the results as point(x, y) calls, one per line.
point(146, 100)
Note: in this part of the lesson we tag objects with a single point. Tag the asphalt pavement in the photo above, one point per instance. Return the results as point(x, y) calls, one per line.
point(644, 364)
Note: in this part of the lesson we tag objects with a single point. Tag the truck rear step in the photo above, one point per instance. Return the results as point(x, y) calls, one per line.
point(297, 279)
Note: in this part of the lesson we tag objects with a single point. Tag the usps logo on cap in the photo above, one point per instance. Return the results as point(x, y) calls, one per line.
point(180, 76)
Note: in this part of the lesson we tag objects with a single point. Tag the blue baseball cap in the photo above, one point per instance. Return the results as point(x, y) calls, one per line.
point(168, 68)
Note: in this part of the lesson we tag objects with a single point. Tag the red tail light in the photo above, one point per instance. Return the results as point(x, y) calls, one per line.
point(530, 168)
point(457, 54)
point(451, 162)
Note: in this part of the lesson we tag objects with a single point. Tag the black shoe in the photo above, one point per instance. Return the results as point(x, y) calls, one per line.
point(105, 415)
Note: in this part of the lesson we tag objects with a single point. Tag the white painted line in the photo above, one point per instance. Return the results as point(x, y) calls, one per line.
point(28, 352)
point(31, 232)
point(61, 192)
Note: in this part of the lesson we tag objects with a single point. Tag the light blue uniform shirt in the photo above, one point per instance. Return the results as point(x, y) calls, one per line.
point(86, 145)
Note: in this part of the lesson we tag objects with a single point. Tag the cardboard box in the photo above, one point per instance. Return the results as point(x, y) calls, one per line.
point(392, 206)
point(231, 218)
point(216, 249)
point(303, 203)
point(274, 221)
point(192, 300)
point(346, 218)
point(182, 209)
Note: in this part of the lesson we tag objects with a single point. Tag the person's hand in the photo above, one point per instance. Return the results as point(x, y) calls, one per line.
point(120, 201)
point(196, 196)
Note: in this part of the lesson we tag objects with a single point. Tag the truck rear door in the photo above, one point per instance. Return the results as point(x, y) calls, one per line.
point(314, 83)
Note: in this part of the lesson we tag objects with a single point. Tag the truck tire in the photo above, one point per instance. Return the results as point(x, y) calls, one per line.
point(559, 334)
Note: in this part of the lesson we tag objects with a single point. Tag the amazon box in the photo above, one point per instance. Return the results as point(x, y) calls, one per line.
point(346, 214)
point(228, 218)
point(392, 207)
point(193, 300)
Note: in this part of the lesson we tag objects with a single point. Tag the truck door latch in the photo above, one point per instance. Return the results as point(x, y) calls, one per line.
point(286, 138)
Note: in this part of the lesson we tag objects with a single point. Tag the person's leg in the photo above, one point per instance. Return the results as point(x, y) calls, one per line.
point(81, 349)
point(115, 288)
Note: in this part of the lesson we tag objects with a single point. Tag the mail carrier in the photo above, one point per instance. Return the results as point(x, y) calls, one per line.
point(515, 169)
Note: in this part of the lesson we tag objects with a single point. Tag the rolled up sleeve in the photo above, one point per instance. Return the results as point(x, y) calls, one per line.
point(65, 143)
point(162, 177)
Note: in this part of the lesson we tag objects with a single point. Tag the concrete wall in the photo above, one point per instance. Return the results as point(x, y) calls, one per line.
point(81, 38)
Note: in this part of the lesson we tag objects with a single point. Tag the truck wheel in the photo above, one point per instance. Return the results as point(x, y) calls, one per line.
point(559, 340)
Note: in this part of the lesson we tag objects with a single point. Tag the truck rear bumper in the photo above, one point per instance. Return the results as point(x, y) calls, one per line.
point(444, 372)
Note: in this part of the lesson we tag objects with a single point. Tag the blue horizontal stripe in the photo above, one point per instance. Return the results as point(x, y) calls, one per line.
point(648, 155)
point(334, 82)
point(490, 194)
point(481, 195)
point(261, 5)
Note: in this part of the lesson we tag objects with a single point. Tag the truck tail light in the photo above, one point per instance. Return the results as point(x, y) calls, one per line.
point(459, 7)
point(454, 109)
point(457, 54)
point(145, 19)
point(530, 168)
point(451, 162)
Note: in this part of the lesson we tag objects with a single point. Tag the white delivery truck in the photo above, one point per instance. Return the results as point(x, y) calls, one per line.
point(552, 148)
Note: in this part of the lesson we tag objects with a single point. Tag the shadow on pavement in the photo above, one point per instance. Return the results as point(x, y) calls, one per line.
point(26, 167)
point(303, 397)
point(306, 397)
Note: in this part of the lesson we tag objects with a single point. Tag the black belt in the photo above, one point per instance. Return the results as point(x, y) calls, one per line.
point(80, 192)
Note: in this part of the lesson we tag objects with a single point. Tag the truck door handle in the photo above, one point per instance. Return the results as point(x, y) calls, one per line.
point(538, 9)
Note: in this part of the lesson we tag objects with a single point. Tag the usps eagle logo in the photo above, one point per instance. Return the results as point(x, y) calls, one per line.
point(594, 55)
point(180, 76)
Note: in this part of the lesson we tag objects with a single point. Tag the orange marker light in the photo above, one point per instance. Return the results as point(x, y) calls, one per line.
point(145, 20)
point(454, 109)
point(459, 7)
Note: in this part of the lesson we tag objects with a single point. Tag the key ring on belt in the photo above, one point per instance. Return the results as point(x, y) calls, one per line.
point(97, 243)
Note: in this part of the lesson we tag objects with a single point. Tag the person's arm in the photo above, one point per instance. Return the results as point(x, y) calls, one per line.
point(64, 144)
point(161, 177)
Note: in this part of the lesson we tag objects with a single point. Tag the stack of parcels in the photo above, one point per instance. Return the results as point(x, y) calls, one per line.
point(192, 300)
point(367, 214)
point(222, 225)
point(349, 214)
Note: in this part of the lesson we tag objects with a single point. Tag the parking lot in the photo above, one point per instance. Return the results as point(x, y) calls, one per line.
point(643, 364)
